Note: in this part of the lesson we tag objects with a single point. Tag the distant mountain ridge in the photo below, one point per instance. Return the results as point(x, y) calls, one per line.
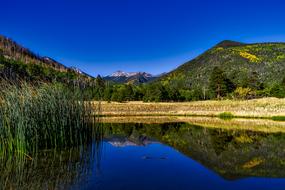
point(129, 74)
point(130, 77)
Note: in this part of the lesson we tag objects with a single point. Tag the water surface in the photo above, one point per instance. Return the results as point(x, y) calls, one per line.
point(156, 156)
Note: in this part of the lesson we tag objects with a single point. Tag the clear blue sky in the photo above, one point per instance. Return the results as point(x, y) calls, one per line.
point(102, 36)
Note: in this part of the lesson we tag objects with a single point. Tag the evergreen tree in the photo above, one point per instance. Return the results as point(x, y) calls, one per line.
point(108, 93)
point(99, 87)
point(278, 91)
point(155, 92)
point(219, 83)
point(253, 81)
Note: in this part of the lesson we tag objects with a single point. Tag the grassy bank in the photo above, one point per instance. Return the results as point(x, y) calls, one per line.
point(257, 108)
point(44, 116)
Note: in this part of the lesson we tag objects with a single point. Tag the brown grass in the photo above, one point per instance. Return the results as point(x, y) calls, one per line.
point(258, 108)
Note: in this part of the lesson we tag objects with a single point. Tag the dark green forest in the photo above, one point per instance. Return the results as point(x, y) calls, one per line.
point(220, 87)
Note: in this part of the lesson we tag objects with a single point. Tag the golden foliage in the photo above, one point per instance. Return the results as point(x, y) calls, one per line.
point(250, 57)
point(244, 139)
point(279, 57)
point(243, 93)
point(253, 163)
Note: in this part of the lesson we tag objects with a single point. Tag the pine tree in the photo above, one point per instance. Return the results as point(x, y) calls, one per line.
point(219, 83)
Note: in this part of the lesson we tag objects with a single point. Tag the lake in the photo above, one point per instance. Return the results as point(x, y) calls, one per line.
point(170, 155)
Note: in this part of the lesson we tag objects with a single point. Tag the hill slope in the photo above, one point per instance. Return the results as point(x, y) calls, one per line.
point(244, 64)
point(19, 63)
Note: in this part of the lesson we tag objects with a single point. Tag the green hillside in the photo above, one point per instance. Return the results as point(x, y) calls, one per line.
point(255, 66)
point(19, 63)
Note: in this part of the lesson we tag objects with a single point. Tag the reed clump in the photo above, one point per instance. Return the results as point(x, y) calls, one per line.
point(278, 118)
point(226, 115)
point(42, 116)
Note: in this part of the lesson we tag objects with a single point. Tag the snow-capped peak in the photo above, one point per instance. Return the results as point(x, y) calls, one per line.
point(129, 74)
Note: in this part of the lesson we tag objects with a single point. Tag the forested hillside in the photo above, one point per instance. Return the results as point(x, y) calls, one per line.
point(228, 70)
point(230, 65)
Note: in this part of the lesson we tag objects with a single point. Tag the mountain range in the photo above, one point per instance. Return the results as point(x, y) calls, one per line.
point(130, 77)
point(255, 65)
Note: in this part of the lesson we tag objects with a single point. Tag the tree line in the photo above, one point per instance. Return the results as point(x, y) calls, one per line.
point(219, 87)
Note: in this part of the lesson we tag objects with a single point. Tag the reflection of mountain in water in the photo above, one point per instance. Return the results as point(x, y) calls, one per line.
point(231, 153)
point(122, 141)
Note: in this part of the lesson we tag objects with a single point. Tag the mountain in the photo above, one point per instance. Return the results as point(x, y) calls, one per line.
point(19, 63)
point(130, 77)
point(245, 65)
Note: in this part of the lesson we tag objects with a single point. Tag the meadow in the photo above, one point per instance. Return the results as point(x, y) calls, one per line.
point(255, 108)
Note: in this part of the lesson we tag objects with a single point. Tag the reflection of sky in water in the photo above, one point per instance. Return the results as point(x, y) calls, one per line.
point(157, 166)
point(157, 156)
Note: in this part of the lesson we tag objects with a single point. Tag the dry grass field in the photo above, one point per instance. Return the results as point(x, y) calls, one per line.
point(257, 108)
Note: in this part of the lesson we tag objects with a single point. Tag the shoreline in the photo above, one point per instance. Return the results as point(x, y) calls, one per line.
point(183, 115)
point(261, 125)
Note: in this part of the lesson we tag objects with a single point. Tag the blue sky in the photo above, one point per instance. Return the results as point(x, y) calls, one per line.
point(102, 36)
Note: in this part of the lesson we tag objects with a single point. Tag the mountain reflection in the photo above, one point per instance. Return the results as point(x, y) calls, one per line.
point(232, 154)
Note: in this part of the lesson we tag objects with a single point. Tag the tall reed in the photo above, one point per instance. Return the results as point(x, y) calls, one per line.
point(45, 116)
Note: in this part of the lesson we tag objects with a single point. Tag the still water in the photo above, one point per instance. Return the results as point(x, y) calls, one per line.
point(156, 156)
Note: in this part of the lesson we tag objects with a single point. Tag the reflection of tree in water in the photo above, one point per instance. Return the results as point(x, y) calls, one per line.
point(220, 141)
point(53, 168)
point(231, 153)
